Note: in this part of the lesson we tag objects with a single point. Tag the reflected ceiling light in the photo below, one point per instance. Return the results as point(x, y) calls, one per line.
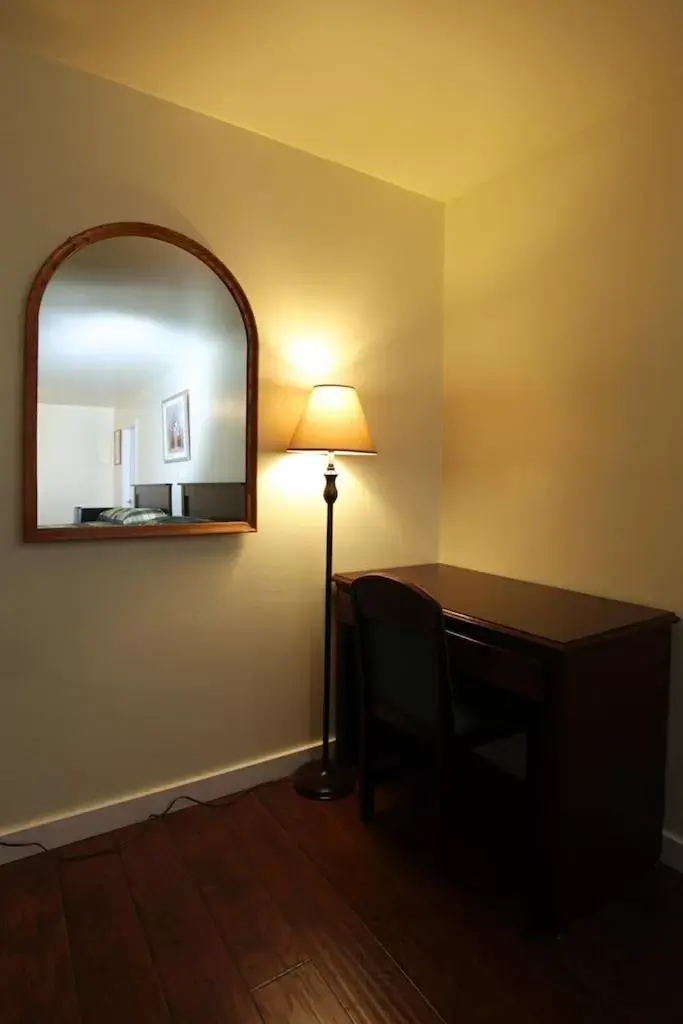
point(109, 337)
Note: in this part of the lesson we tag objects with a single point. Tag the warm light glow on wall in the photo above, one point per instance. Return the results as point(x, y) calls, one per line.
point(298, 483)
point(311, 359)
point(291, 478)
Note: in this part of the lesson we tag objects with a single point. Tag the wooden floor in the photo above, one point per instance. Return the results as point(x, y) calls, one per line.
point(272, 909)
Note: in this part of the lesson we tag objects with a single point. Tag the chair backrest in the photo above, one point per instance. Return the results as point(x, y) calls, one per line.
point(402, 651)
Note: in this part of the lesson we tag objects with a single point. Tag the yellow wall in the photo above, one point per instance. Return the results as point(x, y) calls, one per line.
point(563, 447)
point(131, 665)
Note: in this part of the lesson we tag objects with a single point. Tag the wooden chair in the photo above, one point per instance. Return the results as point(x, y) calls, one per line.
point(406, 681)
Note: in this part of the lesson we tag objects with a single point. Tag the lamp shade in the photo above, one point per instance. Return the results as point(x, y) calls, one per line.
point(333, 421)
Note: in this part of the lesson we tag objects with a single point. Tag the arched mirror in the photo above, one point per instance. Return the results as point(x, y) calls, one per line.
point(141, 385)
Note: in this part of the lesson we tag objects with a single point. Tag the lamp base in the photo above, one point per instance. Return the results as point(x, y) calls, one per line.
point(315, 782)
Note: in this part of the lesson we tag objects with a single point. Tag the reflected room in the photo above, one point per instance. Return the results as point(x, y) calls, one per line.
point(141, 390)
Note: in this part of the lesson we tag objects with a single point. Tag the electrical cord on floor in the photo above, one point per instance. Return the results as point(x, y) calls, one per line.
point(216, 805)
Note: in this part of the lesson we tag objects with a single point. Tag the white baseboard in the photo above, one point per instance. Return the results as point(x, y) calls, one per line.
point(672, 850)
point(94, 821)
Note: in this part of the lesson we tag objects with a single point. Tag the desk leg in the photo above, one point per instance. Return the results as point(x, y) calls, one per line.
point(346, 695)
point(541, 916)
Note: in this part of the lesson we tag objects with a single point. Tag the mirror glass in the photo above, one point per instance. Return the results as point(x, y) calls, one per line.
point(142, 391)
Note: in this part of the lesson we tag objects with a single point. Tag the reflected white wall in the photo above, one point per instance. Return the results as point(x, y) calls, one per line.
point(75, 460)
point(213, 369)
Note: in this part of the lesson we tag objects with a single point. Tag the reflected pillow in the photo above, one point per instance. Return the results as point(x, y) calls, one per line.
point(123, 515)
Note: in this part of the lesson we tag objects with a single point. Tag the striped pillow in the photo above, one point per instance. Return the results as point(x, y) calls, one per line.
point(126, 516)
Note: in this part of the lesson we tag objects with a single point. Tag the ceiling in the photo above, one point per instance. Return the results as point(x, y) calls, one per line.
point(433, 95)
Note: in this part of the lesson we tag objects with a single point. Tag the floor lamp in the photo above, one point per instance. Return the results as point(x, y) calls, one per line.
point(333, 423)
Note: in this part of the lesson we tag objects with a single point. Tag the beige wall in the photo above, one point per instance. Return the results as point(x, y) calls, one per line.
point(563, 448)
point(134, 664)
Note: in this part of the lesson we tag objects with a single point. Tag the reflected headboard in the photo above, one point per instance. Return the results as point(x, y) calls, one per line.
point(223, 503)
point(153, 496)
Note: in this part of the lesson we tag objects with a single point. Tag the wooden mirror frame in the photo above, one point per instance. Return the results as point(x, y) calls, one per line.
point(32, 532)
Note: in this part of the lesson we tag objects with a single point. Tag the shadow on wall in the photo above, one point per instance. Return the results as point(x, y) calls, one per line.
point(280, 406)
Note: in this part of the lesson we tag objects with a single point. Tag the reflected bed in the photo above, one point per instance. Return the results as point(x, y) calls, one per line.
point(201, 503)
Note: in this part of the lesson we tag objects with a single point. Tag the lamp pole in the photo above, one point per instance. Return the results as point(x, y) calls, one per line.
point(325, 780)
point(330, 496)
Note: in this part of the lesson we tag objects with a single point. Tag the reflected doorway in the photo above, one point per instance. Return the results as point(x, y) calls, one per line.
point(128, 464)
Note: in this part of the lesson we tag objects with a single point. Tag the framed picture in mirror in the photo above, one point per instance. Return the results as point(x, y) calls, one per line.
point(175, 421)
point(125, 322)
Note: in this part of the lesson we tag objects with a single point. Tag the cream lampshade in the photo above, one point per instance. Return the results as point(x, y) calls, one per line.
point(333, 421)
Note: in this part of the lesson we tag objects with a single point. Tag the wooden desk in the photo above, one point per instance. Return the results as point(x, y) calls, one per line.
point(599, 670)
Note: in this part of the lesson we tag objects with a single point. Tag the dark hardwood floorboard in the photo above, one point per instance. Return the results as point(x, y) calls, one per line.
point(199, 979)
point(365, 979)
point(275, 909)
point(300, 997)
point(36, 977)
point(115, 975)
point(421, 917)
point(422, 941)
point(631, 951)
point(259, 937)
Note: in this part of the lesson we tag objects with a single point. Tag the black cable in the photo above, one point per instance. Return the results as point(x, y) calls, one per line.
point(213, 804)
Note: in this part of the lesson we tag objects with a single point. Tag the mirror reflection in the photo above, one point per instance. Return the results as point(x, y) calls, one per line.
point(142, 390)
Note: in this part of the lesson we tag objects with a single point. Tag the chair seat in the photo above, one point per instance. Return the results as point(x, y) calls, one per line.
point(482, 714)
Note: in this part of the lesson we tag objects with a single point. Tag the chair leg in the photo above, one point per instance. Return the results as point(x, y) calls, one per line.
point(366, 774)
point(367, 799)
point(366, 787)
point(443, 790)
point(440, 811)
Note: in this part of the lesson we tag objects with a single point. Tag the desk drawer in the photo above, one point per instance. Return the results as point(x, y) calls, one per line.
point(501, 667)
point(507, 669)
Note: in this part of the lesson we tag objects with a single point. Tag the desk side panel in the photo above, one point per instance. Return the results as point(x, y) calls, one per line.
point(603, 764)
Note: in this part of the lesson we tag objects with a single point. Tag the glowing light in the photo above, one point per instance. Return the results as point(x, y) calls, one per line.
point(333, 420)
point(310, 360)
point(114, 337)
point(294, 479)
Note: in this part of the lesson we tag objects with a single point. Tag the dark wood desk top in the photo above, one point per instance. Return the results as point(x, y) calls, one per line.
point(552, 616)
